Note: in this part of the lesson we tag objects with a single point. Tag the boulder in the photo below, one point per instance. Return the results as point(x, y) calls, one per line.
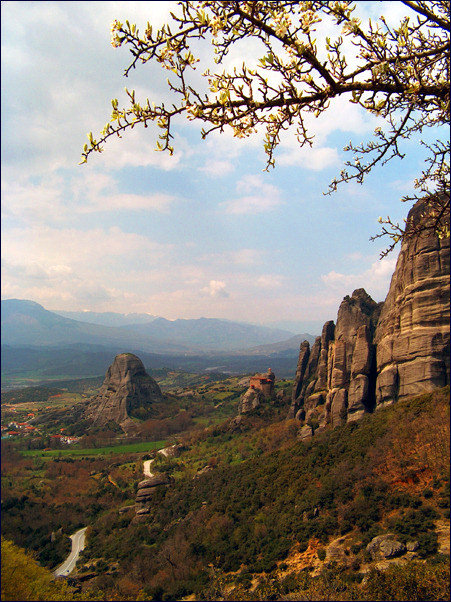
point(202, 471)
point(339, 376)
point(363, 352)
point(143, 511)
point(306, 432)
point(385, 546)
point(146, 491)
point(338, 403)
point(304, 354)
point(327, 335)
point(359, 391)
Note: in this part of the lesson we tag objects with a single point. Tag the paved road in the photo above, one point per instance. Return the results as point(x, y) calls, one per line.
point(78, 543)
point(146, 468)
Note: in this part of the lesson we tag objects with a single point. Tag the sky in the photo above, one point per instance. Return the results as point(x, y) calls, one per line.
point(204, 233)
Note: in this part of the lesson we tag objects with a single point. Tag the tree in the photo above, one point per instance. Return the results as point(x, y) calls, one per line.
point(398, 73)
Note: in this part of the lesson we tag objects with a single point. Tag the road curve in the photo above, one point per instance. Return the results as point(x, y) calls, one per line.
point(78, 544)
point(146, 468)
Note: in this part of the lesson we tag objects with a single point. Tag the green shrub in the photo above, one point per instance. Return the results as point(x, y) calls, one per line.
point(413, 581)
point(428, 544)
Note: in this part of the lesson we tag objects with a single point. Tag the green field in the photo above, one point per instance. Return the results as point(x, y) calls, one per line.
point(143, 447)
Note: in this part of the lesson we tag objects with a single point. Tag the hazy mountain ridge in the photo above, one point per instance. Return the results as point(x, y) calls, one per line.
point(108, 318)
point(210, 333)
point(39, 345)
point(27, 323)
point(288, 348)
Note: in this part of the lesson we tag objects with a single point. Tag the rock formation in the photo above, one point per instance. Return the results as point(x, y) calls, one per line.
point(412, 335)
point(386, 546)
point(335, 379)
point(145, 493)
point(127, 391)
point(378, 353)
point(250, 400)
point(261, 387)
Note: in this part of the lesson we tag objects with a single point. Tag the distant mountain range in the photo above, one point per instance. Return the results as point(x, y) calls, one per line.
point(107, 318)
point(28, 323)
point(41, 345)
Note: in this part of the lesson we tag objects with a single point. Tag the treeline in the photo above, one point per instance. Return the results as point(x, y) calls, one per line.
point(29, 394)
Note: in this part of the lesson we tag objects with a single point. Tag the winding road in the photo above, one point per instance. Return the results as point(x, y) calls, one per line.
point(78, 538)
point(78, 544)
point(146, 469)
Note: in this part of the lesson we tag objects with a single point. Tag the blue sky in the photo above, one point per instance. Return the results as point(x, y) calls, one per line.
point(206, 232)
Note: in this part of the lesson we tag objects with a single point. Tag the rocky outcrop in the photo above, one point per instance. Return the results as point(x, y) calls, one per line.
point(335, 379)
point(412, 335)
point(261, 388)
point(250, 400)
point(386, 546)
point(377, 353)
point(145, 493)
point(127, 392)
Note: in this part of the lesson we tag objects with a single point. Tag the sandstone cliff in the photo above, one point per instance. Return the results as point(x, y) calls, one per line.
point(335, 379)
point(412, 335)
point(378, 353)
point(127, 391)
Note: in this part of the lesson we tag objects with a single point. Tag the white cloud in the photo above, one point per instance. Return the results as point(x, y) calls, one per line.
point(51, 108)
point(314, 159)
point(375, 280)
point(217, 168)
point(341, 116)
point(75, 268)
point(83, 252)
point(96, 191)
point(216, 288)
point(138, 149)
point(246, 257)
point(263, 197)
point(53, 198)
point(270, 281)
point(22, 198)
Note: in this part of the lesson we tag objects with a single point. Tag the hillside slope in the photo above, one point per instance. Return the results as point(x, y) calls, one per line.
point(271, 506)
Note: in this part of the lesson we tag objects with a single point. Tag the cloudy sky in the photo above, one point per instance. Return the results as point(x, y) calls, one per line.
point(206, 232)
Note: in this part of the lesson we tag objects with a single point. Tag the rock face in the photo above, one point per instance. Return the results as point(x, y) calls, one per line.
point(127, 391)
point(250, 400)
point(378, 353)
point(412, 335)
point(335, 379)
point(145, 493)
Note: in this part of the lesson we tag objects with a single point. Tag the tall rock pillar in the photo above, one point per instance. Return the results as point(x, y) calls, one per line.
point(413, 332)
